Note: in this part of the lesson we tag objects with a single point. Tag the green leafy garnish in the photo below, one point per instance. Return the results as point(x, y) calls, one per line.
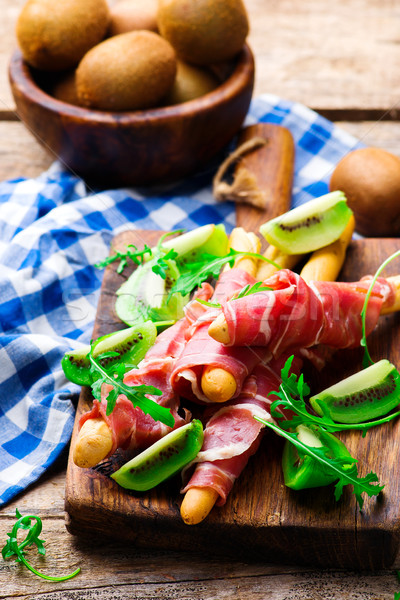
point(248, 290)
point(136, 394)
point(397, 594)
point(12, 548)
point(161, 265)
point(136, 256)
point(209, 267)
point(344, 468)
point(291, 396)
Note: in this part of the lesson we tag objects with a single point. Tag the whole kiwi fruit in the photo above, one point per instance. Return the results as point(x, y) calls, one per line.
point(64, 88)
point(133, 15)
point(370, 178)
point(190, 82)
point(54, 36)
point(204, 31)
point(130, 71)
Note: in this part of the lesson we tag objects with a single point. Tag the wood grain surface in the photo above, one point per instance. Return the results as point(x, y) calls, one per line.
point(273, 168)
point(342, 58)
point(307, 527)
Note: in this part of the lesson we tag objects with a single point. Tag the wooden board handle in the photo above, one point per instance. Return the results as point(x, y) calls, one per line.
point(273, 166)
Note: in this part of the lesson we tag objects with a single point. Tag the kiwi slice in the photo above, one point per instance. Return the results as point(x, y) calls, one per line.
point(131, 345)
point(146, 295)
point(369, 394)
point(208, 239)
point(310, 226)
point(303, 472)
point(163, 459)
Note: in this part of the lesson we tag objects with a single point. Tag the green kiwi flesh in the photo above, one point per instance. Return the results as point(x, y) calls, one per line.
point(312, 225)
point(162, 459)
point(366, 395)
point(145, 294)
point(131, 344)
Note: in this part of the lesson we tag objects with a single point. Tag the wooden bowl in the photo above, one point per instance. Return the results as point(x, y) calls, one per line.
point(139, 147)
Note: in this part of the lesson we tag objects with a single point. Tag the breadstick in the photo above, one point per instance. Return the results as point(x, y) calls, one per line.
point(325, 264)
point(93, 443)
point(394, 306)
point(197, 503)
point(285, 261)
point(218, 384)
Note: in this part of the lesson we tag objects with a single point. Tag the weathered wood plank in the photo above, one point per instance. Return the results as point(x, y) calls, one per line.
point(344, 57)
point(307, 527)
point(20, 154)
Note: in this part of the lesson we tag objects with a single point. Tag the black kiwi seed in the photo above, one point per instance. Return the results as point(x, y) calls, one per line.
point(386, 388)
point(310, 221)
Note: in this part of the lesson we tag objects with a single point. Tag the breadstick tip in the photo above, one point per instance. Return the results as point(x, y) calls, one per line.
point(94, 442)
point(218, 330)
point(197, 504)
point(218, 384)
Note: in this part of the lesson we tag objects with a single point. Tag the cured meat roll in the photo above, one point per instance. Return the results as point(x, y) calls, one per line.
point(129, 426)
point(292, 313)
point(201, 349)
point(232, 434)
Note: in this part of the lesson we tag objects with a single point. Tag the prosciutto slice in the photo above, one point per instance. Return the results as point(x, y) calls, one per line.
point(201, 349)
point(232, 434)
point(131, 428)
point(292, 313)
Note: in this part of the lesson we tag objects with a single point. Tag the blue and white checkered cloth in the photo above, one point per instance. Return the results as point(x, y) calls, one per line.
point(52, 232)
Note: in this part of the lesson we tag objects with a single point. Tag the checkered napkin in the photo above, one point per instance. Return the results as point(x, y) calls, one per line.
point(52, 232)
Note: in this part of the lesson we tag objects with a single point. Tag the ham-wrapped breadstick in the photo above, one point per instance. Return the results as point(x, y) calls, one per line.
point(232, 435)
point(206, 371)
point(292, 313)
point(127, 426)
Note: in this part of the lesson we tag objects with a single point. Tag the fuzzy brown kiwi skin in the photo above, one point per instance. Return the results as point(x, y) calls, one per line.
point(370, 178)
point(65, 89)
point(133, 15)
point(130, 71)
point(205, 31)
point(53, 36)
point(190, 82)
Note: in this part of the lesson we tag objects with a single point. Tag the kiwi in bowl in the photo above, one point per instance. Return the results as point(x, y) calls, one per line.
point(126, 112)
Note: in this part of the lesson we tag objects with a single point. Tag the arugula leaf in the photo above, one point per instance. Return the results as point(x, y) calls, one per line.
point(209, 267)
point(397, 594)
point(12, 548)
point(248, 290)
point(135, 255)
point(291, 395)
point(161, 266)
point(136, 394)
point(344, 468)
point(138, 257)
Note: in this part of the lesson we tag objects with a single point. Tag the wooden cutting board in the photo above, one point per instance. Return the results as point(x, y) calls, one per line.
point(262, 519)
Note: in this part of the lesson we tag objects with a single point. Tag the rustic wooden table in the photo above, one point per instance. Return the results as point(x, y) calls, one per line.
point(342, 60)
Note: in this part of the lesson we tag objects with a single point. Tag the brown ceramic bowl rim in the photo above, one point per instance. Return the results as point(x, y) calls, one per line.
point(20, 75)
